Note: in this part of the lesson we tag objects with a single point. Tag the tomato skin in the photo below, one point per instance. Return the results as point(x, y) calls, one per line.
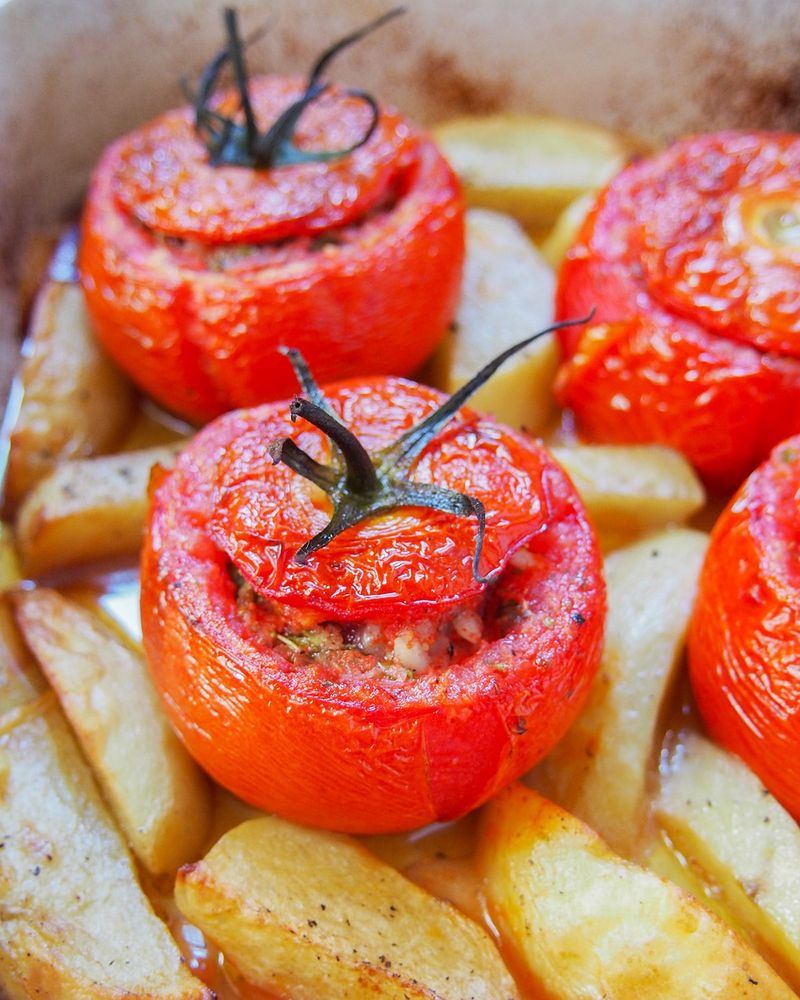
point(744, 640)
point(721, 404)
point(201, 340)
point(349, 752)
point(706, 379)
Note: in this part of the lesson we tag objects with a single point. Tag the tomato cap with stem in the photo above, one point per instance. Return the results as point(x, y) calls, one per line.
point(259, 510)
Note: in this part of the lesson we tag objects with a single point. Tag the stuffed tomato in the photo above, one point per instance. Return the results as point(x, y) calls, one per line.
point(281, 212)
point(744, 641)
point(372, 610)
point(692, 262)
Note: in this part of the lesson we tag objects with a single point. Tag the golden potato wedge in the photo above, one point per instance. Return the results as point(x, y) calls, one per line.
point(74, 922)
point(310, 914)
point(49, 253)
point(531, 166)
point(599, 770)
point(584, 923)
point(742, 841)
point(633, 488)
point(438, 860)
point(564, 233)
point(507, 295)
point(163, 802)
point(10, 572)
point(75, 403)
point(34, 264)
point(87, 510)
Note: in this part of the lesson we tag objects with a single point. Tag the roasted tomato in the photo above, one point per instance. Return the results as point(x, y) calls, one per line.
point(429, 642)
point(286, 211)
point(692, 262)
point(744, 642)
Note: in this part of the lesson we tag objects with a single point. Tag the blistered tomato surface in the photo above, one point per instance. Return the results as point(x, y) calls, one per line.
point(744, 643)
point(353, 749)
point(691, 260)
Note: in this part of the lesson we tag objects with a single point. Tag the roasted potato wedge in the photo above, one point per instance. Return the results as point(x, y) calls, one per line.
point(633, 488)
point(33, 266)
point(74, 922)
point(507, 295)
point(530, 166)
point(585, 923)
point(565, 231)
point(163, 803)
point(75, 403)
point(599, 770)
point(741, 841)
point(310, 914)
point(10, 572)
point(438, 860)
point(86, 510)
point(661, 856)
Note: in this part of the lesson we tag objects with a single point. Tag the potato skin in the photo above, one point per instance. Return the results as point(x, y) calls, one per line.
point(744, 642)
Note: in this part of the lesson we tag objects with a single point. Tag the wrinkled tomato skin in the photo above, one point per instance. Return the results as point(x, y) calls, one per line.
point(346, 751)
point(202, 340)
point(744, 640)
point(721, 404)
point(653, 368)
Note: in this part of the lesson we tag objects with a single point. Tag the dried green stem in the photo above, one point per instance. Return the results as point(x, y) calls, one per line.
point(233, 143)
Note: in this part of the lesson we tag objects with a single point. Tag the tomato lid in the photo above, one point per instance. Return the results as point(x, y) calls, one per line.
point(165, 179)
point(398, 563)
